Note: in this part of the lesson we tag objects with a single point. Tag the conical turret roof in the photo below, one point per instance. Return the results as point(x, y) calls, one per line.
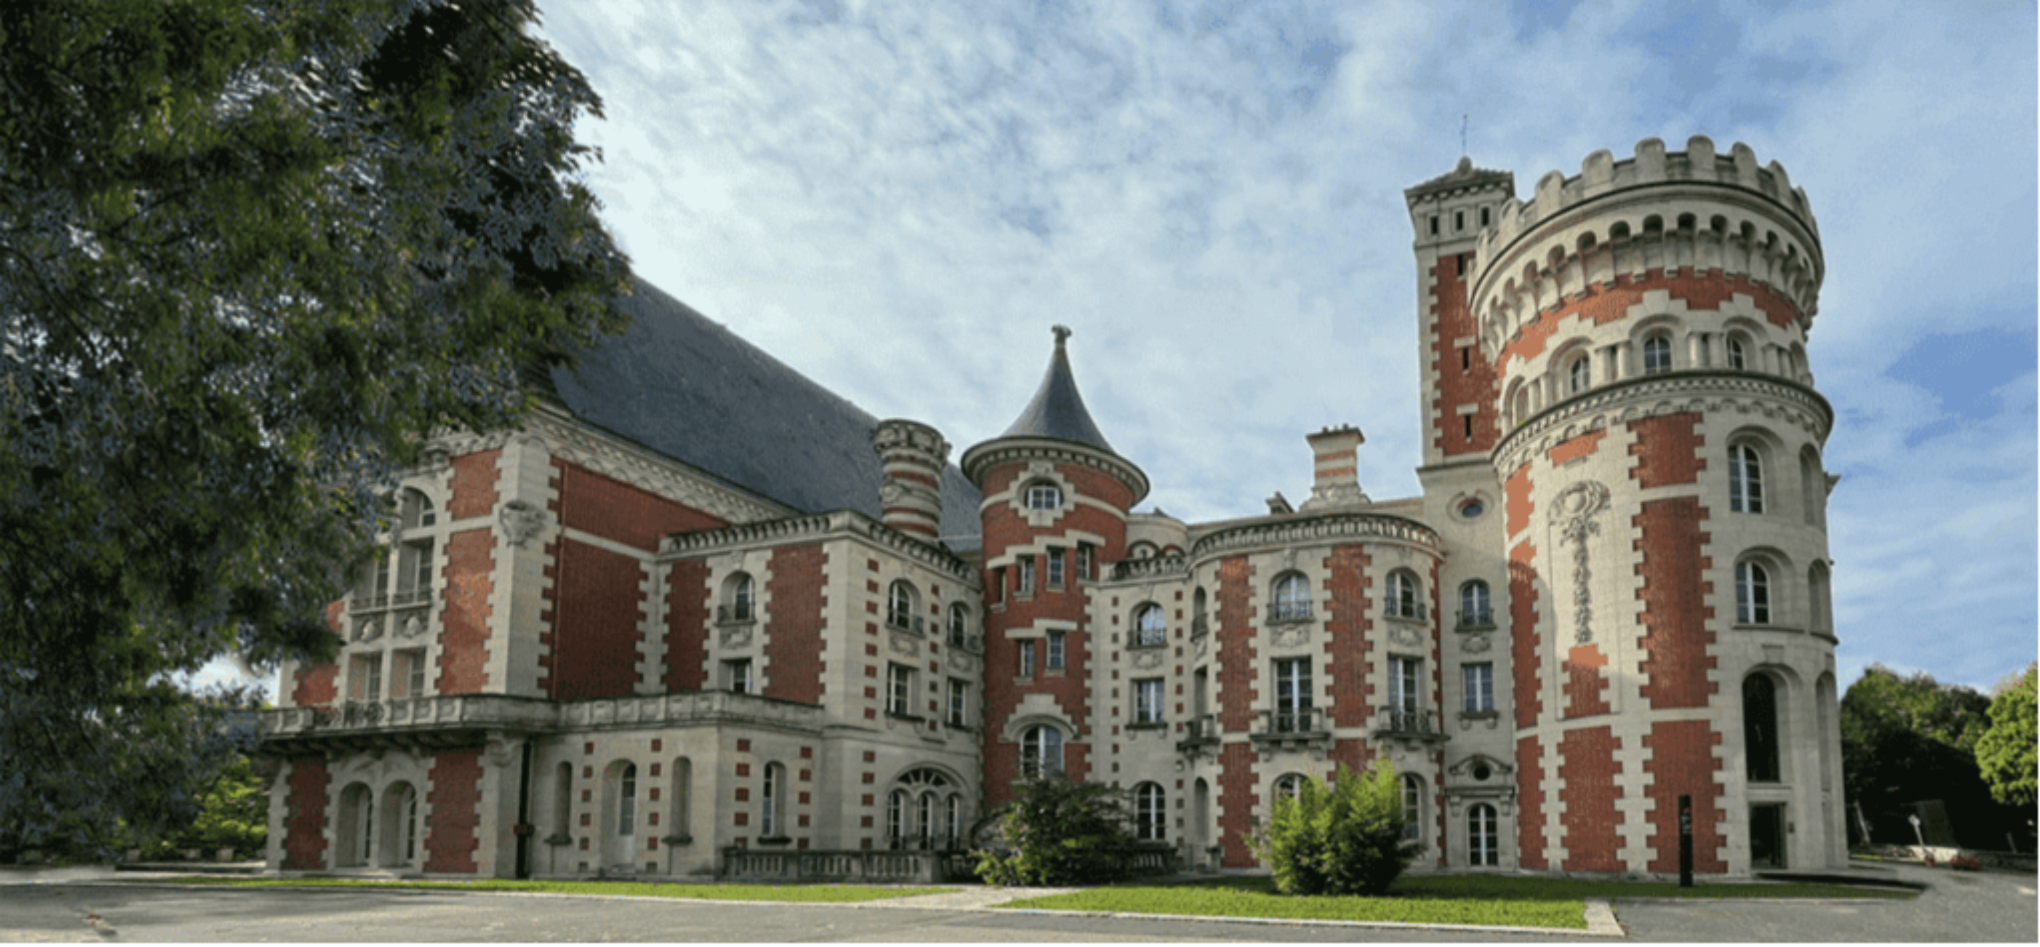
point(1057, 410)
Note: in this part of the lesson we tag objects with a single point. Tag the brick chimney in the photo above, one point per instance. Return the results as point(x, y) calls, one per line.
point(910, 491)
point(1336, 464)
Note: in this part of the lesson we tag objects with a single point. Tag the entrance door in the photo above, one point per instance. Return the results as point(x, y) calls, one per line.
point(1767, 836)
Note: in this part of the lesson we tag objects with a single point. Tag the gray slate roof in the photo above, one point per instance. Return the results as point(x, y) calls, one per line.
point(689, 388)
point(1058, 408)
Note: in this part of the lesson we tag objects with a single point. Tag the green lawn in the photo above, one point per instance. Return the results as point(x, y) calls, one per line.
point(635, 889)
point(1486, 900)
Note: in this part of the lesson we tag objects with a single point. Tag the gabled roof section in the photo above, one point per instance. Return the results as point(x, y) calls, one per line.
point(1057, 410)
point(680, 384)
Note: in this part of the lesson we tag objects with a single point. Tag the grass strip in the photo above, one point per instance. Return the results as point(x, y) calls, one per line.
point(630, 889)
point(1579, 889)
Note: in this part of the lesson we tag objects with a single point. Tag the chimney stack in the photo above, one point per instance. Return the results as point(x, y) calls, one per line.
point(910, 491)
point(1336, 464)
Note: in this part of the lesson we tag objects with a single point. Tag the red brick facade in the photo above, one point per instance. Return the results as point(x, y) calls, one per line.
point(1526, 654)
point(315, 686)
point(464, 622)
point(1600, 305)
point(1237, 657)
point(1516, 500)
point(304, 824)
point(1585, 684)
point(1349, 641)
point(474, 485)
point(1587, 768)
point(1577, 447)
point(1530, 804)
point(456, 798)
point(1675, 610)
point(687, 611)
point(795, 657)
point(614, 510)
point(1682, 762)
point(1466, 380)
point(1236, 801)
point(1667, 450)
point(592, 649)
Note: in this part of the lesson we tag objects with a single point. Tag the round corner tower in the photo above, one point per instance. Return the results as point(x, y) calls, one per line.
point(1055, 504)
point(1641, 331)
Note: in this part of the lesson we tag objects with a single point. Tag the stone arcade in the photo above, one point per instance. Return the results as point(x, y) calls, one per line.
point(698, 613)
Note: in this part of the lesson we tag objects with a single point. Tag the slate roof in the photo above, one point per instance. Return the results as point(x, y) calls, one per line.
point(1464, 175)
point(1058, 408)
point(685, 386)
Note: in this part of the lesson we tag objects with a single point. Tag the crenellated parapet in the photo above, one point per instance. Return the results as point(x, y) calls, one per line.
point(1657, 212)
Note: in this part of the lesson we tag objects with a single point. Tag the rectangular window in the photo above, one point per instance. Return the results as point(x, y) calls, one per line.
point(1459, 223)
point(1466, 420)
point(1480, 687)
point(1026, 575)
point(382, 580)
point(1465, 358)
point(737, 676)
point(999, 583)
point(899, 689)
point(1483, 216)
point(1402, 684)
point(364, 678)
point(1026, 658)
point(1055, 650)
point(1460, 261)
point(1147, 701)
point(1292, 695)
point(1084, 560)
point(1055, 568)
point(959, 703)
point(1434, 225)
point(407, 674)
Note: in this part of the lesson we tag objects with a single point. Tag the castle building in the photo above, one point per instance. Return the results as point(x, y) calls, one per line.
point(698, 615)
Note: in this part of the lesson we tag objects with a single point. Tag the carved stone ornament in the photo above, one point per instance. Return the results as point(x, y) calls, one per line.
point(1292, 636)
point(1476, 643)
point(1151, 658)
point(736, 636)
point(521, 521)
point(501, 751)
point(1574, 512)
point(369, 630)
point(905, 644)
point(961, 661)
point(413, 627)
point(1405, 635)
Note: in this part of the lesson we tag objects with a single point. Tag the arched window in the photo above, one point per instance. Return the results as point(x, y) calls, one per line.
point(771, 801)
point(1738, 354)
point(1288, 785)
point(1657, 354)
point(899, 605)
point(1480, 835)
point(1760, 727)
point(1579, 375)
point(959, 626)
point(1042, 495)
point(1752, 593)
point(1149, 813)
point(1040, 752)
point(1292, 598)
point(415, 510)
point(1412, 807)
point(355, 826)
point(1474, 608)
point(738, 599)
point(924, 821)
point(1745, 479)
point(1149, 628)
point(626, 800)
point(1522, 405)
point(896, 814)
point(1402, 596)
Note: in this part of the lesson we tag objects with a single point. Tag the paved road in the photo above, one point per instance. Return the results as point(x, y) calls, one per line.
point(82, 907)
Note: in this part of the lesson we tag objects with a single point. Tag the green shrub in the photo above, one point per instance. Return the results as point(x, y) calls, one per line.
point(1059, 832)
point(233, 813)
point(1346, 838)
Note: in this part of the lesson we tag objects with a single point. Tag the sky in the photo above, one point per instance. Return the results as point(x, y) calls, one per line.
point(899, 199)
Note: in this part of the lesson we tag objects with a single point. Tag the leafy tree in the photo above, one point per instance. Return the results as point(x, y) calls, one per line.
point(232, 813)
point(1059, 832)
point(2005, 753)
point(1911, 738)
point(250, 251)
point(1346, 838)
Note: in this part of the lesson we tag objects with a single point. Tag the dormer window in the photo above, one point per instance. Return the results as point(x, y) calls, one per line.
point(1044, 496)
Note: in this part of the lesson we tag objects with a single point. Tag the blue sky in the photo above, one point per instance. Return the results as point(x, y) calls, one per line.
point(898, 199)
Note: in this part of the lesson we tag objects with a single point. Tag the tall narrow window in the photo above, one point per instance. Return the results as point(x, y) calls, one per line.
point(959, 626)
point(1473, 604)
point(896, 815)
point(1084, 560)
point(1480, 835)
point(1147, 701)
point(626, 800)
point(1579, 375)
point(737, 676)
point(1055, 651)
point(1292, 598)
point(1040, 752)
point(955, 821)
point(1404, 675)
point(899, 605)
point(1055, 568)
point(1150, 814)
point(683, 779)
point(1760, 727)
point(1288, 785)
point(1480, 687)
point(1745, 480)
point(899, 690)
point(1657, 354)
point(1402, 596)
point(774, 786)
point(924, 821)
point(364, 678)
point(1026, 657)
point(1292, 695)
point(1026, 575)
point(740, 598)
point(1738, 358)
point(959, 702)
point(563, 801)
point(1752, 594)
point(1149, 627)
point(1413, 807)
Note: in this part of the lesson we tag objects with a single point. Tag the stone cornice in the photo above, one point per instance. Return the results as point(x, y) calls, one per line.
point(993, 453)
point(1159, 567)
point(1705, 390)
point(1322, 528)
point(295, 729)
point(816, 528)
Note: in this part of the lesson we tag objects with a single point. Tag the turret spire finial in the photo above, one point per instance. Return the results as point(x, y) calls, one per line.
point(1061, 333)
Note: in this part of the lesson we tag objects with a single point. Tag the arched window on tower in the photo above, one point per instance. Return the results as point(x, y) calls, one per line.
point(1657, 354)
point(1745, 479)
point(1738, 353)
point(1402, 596)
point(1579, 375)
point(1752, 593)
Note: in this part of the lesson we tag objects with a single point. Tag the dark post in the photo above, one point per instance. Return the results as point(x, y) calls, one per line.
point(1685, 841)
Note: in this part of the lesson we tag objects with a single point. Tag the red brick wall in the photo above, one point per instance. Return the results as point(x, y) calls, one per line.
point(1349, 636)
point(456, 797)
point(1530, 803)
point(1675, 609)
point(1516, 500)
point(1599, 305)
point(1585, 687)
point(1356, 755)
point(1682, 762)
point(1526, 651)
point(617, 511)
point(316, 686)
point(687, 610)
point(304, 825)
point(1473, 385)
point(1667, 450)
point(1236, 803)
point(1237, 657)
point(464, 623)
point(1576, 447)
point(474, 485)
point(1587, 768)
point(592, 647)
point(794, 655)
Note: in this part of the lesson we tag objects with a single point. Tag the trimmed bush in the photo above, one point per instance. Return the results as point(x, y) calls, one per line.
point(1345, 838)
point(1059, 832)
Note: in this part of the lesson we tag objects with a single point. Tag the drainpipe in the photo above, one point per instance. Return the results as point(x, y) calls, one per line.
point(523, 828)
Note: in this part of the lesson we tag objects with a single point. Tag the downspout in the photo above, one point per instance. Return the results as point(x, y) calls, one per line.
point(523, 828)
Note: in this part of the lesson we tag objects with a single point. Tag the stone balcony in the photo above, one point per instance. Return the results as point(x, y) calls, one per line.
point(465, 720)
